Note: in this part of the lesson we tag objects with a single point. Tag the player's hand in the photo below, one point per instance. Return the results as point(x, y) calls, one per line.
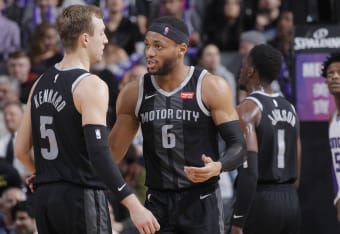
point(30, 182)
point(144, 220)
point(236, 230)
point(338, 209)
point(201, 174)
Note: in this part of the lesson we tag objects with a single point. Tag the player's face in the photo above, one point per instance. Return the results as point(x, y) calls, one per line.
point(245, 71)
point(161, 54)
point(333, 78)
point(98, 40)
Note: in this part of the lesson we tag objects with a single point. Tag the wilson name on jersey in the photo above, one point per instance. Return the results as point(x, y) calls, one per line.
point(277, 139)
point(177, 129)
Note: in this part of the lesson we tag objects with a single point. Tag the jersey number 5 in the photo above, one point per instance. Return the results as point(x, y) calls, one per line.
point(52, 152)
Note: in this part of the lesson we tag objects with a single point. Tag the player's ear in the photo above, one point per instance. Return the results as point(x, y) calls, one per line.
point(182, 49)
point(84, 38)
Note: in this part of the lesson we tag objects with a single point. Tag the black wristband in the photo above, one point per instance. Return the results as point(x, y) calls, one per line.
point(235, 154)
point(96, 138)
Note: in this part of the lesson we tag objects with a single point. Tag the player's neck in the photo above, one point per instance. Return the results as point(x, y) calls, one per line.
point(174, 79)
point(337, 102)
point(73, 60)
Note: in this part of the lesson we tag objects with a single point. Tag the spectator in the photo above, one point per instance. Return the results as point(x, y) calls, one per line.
point(9, 36)
point(210, 59)
point(249, 40)
point(24, 221)
point(13, 114)
point(9, 91)
point(14, 10)
point(283, 42)
point(178, 9)
point(19, 68)
point(224, 27)
point(119, 29)
point(9, 177)
point(9, 198)
point(36, 12)
point(267, 16)
point(44, 50)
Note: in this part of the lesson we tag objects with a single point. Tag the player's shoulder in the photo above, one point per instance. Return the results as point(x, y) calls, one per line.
point(92, 83)
point(131, 88)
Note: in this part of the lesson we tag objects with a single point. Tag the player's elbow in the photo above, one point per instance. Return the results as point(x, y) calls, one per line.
point(20, 152)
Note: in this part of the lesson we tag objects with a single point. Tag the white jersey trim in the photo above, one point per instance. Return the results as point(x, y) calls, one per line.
point(168, 94)
point(76, 82)
point(140, 95)
point(199, 93)
point(256, 101)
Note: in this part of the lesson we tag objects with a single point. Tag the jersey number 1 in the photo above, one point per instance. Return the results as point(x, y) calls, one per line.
point(281, 148)
point(52, 152)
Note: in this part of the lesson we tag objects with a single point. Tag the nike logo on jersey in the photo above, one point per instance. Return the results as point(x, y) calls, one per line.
point(121, 187)
point(205, 196)
point(237, 216)
point(150, 96)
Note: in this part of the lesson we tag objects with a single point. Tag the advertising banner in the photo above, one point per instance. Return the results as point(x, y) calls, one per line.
point(312, 45)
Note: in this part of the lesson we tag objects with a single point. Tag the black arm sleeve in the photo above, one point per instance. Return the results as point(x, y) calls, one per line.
point(96, 138)
point(235, 154)
point(245, 189)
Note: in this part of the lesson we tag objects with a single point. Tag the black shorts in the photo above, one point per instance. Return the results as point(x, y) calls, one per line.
point(196, 210)
point(62, 208)
point(275, 210)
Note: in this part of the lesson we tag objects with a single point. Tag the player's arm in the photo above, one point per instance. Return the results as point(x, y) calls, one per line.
point(126, 125)
point(299, 158)
point(23, 141)
point(247, 177)
point(93, 109)
point(218, 97)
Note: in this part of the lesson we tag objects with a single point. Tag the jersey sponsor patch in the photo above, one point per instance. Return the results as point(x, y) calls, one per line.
point(186, 95)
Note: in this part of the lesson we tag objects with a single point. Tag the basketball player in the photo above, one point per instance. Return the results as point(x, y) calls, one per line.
point(266, 198)
point(180, 109)
point(331, 71)
point(65, 121)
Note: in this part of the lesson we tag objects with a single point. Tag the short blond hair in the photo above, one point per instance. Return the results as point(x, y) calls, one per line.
point(75, 20)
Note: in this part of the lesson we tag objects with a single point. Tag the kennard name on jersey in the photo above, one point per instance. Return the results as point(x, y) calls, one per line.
point(49, 96)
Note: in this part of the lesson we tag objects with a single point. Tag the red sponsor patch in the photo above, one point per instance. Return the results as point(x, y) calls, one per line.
point(186, 95)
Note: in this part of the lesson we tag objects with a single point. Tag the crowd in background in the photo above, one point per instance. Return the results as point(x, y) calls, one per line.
point(222, 32)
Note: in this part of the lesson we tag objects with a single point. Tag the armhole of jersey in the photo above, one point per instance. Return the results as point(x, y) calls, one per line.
point(293, 108)
point(140, 95)
point(36, 82)
point(76, 82)
point(258, 103)
point(199, 93)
